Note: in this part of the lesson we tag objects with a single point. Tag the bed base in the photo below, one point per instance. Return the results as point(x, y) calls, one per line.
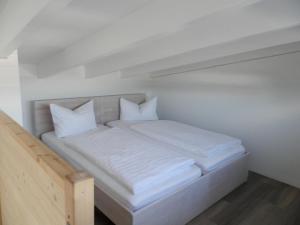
point(175, 209)
point(182, 206)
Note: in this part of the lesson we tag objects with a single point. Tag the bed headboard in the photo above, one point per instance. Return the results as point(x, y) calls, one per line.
point(106, 109)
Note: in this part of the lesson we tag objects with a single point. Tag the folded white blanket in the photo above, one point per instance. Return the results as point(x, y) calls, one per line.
point(208, 164)
point(136, 162)
point(190, 138)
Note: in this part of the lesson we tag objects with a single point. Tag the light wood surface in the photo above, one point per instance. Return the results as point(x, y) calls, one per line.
point(0, 207)
point(37, 186)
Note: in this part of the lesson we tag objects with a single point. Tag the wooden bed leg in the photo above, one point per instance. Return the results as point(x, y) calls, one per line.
point(81, 208)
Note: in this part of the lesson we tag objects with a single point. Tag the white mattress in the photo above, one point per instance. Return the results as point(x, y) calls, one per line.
point(111, 187)
point(202, 150)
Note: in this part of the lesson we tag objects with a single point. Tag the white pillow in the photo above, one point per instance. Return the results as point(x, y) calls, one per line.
point(131, 111)
point(68, 122)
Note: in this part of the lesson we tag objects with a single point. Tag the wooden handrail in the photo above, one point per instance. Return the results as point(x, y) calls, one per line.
point(37, 186)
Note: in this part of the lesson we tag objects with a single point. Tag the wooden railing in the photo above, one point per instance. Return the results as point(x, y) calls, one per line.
point(37, 187)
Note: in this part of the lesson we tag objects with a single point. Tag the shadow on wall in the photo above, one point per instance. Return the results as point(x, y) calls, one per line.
point(3, 4)
point(249, 75)
point(256, 101)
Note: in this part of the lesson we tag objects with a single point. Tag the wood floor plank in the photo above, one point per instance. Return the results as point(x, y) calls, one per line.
point(261, 201)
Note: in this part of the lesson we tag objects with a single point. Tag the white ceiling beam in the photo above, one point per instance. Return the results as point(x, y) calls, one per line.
point(227, 27)
point(254, 55)
point(156, 19)
point(253, 47)
point(14, 17)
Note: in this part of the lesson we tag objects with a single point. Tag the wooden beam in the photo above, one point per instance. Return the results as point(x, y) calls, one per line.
point(82, 205)
point(0, 208)
point(37, 186)
point(156, 19)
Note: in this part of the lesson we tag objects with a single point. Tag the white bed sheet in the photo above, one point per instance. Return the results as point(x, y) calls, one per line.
point(208, 162)
point(135, 161)
point(111, 187)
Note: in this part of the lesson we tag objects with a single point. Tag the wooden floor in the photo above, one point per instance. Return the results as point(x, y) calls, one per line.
point(261, 201)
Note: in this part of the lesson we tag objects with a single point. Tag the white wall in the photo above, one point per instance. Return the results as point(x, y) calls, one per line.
point(256, 101)
point(10, 94)
point(71, 83)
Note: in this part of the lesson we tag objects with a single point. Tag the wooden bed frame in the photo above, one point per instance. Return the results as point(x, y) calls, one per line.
point(37, 186)
point(174, 209)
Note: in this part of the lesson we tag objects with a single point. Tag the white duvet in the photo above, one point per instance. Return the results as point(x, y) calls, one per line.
point(136, 162)
point(210, 150)
point(193, 139)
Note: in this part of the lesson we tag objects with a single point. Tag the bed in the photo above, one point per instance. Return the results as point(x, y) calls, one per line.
point(195, 194)
point(180, 178)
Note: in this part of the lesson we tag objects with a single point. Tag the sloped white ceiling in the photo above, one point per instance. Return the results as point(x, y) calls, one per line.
point(229, 32)
point(57, 28)
point(15, 15)
point(147, 36)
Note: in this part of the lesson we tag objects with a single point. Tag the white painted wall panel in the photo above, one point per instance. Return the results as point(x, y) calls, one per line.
point(256, 101)
point(71, 83)
point(10, 90)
